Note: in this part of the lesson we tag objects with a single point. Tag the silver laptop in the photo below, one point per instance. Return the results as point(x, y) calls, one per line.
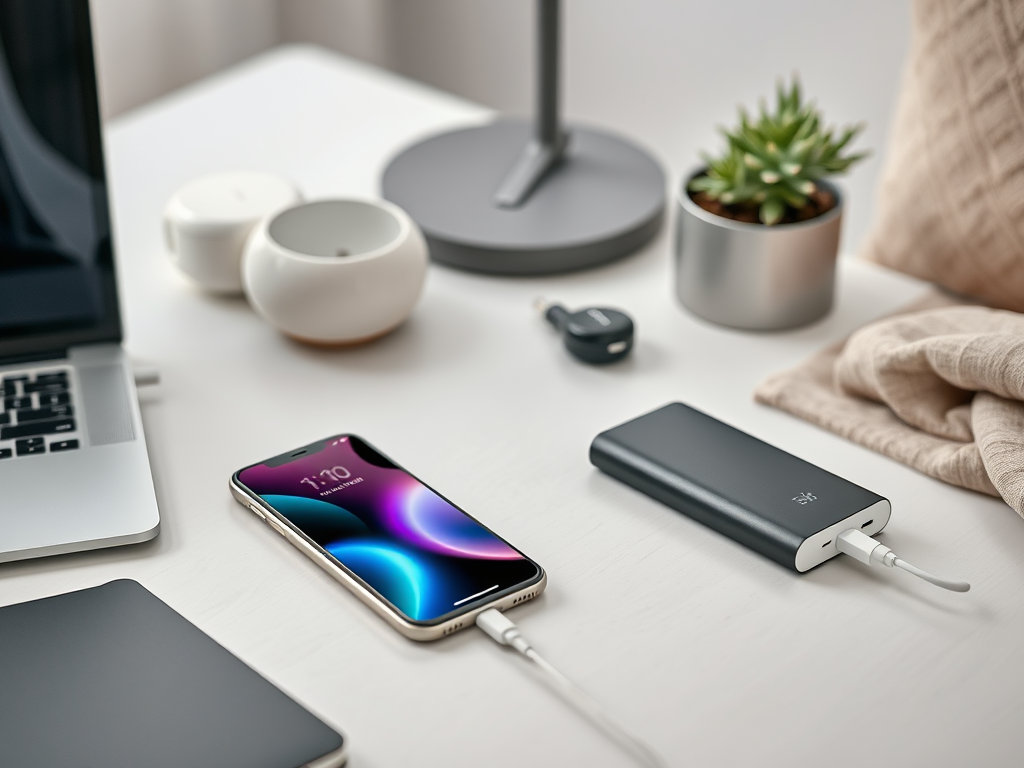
point(74, 471)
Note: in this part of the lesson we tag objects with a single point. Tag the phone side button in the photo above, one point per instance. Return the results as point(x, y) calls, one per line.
point(258, 511)
point(276, 525)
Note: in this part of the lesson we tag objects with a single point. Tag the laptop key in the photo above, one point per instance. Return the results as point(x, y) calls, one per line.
point(5, 418)
point(63, 445)
point(37, 428)
point(59, 398)
point(42, 414)
point(44, 386)
point(10, 385)
point(30, 446)
point(17, 403)
point(57, 376)
point(6, 453)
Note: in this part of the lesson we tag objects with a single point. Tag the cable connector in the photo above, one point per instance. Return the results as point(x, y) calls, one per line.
point(501, 630)
point(862, 547)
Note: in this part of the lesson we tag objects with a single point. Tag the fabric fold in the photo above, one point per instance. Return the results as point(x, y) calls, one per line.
point(939, 388)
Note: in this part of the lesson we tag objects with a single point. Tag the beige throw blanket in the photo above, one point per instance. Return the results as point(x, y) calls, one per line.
point(941, 390)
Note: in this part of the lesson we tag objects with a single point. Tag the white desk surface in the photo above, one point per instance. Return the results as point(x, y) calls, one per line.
point(714, 654)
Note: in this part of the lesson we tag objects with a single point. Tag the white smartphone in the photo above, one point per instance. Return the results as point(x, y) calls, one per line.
point(415, 558)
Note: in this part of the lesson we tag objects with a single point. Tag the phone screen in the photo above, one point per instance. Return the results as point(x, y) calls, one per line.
point(417, 550)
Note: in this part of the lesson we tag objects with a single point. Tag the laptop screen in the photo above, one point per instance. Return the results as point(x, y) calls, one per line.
point(57, 284)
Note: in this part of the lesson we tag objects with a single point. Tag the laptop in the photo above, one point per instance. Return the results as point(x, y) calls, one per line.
point(74, 470)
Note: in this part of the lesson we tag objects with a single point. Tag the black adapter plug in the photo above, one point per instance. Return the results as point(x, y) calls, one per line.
point(595, 335)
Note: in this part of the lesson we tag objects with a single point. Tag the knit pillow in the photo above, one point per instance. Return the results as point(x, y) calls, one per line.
point(951, 204)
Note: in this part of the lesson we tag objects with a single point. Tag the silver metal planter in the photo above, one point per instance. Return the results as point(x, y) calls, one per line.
point(753, 276)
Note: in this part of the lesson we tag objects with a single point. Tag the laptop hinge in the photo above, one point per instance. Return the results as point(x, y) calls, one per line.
point(34, 357)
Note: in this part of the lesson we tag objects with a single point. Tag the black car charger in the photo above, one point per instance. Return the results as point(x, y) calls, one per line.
point(594, 335)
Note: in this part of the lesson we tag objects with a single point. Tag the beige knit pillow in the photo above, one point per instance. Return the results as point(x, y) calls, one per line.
point(951, 205)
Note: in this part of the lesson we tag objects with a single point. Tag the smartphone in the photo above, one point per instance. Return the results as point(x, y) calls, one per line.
point(415, 558)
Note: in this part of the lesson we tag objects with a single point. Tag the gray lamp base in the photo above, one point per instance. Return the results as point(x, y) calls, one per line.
point(604, 200)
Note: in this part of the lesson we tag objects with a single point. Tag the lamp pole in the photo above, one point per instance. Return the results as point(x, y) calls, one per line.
point(549, 141)
point(549, 128)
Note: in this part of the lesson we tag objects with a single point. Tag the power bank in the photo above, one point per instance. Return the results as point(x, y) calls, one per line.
point(769, 500)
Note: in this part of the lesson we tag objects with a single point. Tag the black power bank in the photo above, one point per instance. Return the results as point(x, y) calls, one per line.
point(771, 501)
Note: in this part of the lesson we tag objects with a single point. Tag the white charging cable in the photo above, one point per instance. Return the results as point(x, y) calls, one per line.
point(500, 628)
point(862, 547)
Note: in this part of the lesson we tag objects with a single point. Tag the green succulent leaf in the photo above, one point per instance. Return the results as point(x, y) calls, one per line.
point(774, 158)
point(793, 198)
point(772, 210)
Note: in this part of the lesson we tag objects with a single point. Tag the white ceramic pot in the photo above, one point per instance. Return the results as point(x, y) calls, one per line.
point(335, 271)
point(207, 222)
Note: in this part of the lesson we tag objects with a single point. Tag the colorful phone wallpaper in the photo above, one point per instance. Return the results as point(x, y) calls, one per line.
point(423, 555)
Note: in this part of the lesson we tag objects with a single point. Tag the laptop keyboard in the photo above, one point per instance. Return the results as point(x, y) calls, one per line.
point(38, 414)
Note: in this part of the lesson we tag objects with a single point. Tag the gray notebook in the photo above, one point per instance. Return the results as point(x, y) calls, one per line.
point(111, 676)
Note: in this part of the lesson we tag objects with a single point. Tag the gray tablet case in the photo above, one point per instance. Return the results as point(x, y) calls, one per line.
point(111, 676)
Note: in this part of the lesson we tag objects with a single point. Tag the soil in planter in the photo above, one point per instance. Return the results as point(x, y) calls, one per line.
point(819, 202)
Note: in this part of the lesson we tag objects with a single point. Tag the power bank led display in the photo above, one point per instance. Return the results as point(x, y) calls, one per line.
point(769, 500)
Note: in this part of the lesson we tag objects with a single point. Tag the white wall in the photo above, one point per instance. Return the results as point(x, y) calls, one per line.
point(145, 48)
point(666, 72)
point(359, 28)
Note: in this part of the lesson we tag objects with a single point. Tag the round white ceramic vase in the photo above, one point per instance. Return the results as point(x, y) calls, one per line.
point(335, 271)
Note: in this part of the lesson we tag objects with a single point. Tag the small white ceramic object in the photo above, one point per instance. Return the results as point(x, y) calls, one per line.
point(207, 222)
point(335, 271)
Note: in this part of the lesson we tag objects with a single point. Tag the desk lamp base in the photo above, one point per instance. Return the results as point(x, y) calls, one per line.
point(604, 199)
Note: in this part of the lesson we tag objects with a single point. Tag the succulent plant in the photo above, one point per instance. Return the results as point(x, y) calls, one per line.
point(774, 161)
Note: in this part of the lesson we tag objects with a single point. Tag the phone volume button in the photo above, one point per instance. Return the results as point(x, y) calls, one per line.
point(258, 511)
